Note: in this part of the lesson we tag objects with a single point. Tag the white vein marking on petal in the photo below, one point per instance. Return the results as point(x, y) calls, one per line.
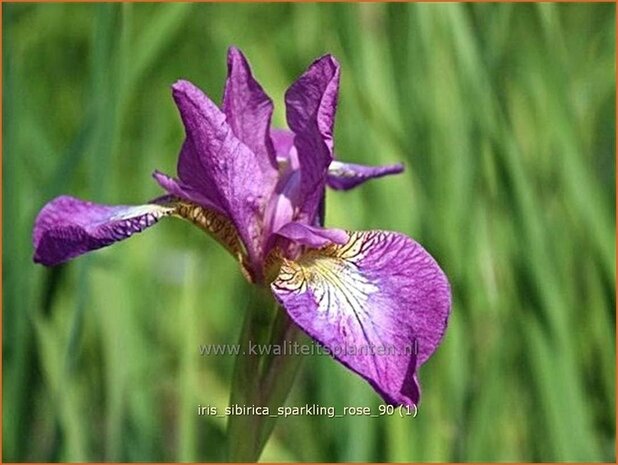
point(336, 168)
point(149, 213)
point(337, 283)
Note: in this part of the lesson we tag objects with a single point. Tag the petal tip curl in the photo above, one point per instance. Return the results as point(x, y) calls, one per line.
point(182, 87)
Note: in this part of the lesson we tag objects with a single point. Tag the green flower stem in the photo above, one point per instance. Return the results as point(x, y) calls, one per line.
point(260, 379)
point(279, 371)
point(264, 379)
point(243, 430)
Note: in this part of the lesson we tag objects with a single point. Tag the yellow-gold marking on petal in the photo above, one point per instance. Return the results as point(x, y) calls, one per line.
point(334, 279)
point(291, 276)
point(272, 264)
point(332, 276)
point(216, 225)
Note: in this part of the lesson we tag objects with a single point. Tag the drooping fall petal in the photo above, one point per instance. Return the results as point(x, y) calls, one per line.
point(379, 304)
point(217, 225)
point(67, 227)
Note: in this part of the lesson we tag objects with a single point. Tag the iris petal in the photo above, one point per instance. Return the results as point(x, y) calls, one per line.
point(249, 110)
point(312, 236)
point(217, 164)
point(340, 176)
point(67, 227)
point(311, 103)
point(379, 304)
point(218, 226)
point(178, 188)
point(344, 176)
point(283, 141)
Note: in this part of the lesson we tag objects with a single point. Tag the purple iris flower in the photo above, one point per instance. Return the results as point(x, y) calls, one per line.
point(375, 299)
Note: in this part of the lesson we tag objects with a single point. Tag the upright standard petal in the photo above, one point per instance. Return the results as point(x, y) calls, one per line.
point(311, 103)
point(344, 176)
point(221, 167)
point(67, 227)
point(379, 304)
point(249, 110)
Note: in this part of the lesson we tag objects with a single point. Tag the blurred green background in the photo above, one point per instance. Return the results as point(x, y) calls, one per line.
point(504, 116)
